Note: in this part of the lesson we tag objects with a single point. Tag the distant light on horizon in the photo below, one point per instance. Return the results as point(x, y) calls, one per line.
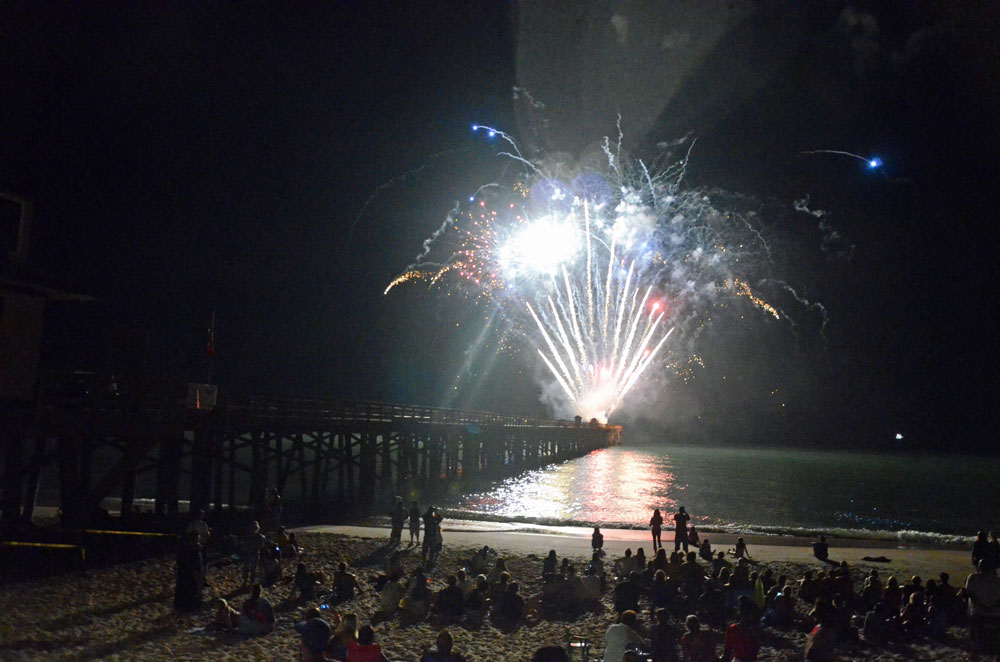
point(899, 436)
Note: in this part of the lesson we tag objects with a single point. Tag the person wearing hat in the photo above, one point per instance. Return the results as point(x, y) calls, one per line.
point(681, 519)
point(315, 632)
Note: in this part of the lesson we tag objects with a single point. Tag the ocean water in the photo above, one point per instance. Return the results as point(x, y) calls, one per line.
point(908, 498)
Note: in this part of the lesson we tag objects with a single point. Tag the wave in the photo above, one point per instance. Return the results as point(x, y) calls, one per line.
point(547, 524)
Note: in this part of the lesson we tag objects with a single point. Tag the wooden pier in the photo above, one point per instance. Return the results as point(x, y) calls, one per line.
point(316, 452)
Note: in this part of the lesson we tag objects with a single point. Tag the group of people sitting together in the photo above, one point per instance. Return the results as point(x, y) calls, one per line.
point(699, 589)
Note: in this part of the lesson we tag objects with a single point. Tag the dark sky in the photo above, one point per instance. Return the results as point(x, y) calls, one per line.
point(199, 156)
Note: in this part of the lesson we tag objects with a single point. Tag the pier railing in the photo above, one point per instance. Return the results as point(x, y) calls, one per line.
point(314, 450)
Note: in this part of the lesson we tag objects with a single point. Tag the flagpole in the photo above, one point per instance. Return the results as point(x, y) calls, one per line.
point(211, 346)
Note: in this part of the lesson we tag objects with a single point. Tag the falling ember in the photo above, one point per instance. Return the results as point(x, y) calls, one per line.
point(743, 290)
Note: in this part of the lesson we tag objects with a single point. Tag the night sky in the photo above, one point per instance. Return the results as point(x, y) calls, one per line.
point(279, 163)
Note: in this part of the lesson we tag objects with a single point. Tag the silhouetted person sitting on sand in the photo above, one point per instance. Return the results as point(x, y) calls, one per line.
point(306, 584)
point(821, 550)
point(498, 569)
point(345, 633)
point(416, 605)
point(820, 643)
point(626, 593)
point(592, 587)
point(257, 615)
point(345, 584)
point(620, 635)
point(443, 650)
point(597, 539)
point(392, 592)
point(271, 561)
point(742, 640)
point(705, 550)
point(314, 635)
point(479, 600)
point(550, 564)
point(509, 607)
point(550, 653)
point(625, 564)
point(364, 649)
point(449, 601)
point(741, 551)
point(225, 618)
point(696, 643)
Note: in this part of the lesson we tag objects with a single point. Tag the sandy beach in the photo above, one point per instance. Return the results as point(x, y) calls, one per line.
point(126, 612)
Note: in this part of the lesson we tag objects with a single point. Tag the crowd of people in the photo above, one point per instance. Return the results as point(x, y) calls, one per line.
point(667, 605)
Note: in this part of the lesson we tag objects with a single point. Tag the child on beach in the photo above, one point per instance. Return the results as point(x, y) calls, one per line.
point(414, 524)
point(226, 618)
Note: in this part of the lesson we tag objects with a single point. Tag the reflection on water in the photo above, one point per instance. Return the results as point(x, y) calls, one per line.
point(603, 487)
point(752, 489)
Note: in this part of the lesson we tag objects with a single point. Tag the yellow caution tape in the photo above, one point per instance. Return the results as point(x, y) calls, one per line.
point(50, 545)
point(131, 533)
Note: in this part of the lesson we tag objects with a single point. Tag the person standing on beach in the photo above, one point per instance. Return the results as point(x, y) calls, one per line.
point(190, 576)
point(655, 523)
point(397, 517)
point(198, 526)
point(414, 524)
point(432, 534)
point(681, 519)
point(250, 553)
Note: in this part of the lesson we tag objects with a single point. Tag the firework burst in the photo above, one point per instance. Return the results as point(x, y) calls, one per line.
point(597, 269)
